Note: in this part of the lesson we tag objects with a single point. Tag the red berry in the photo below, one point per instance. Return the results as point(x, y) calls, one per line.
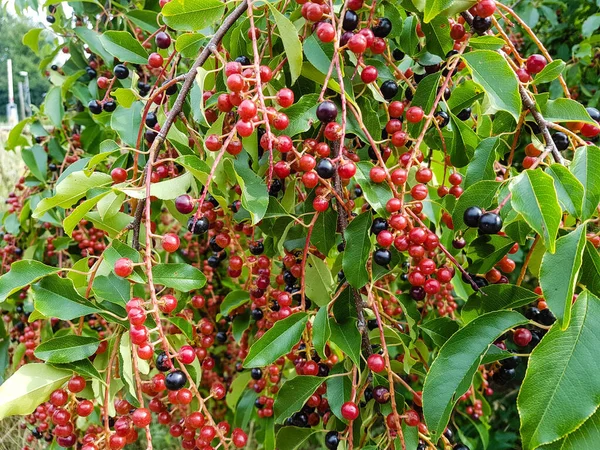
point(424, 175)
point(396, 109)
point(235, 82)
point(243, 128)
point(457, 31)
point(285, 97)
point(84, 408)
point(163, 40)
point(168, 303)
point(187, 354)
point(123, 267)
point(239, 438)
point(325, 32)
point(369, 74)
point(522, 337)
point(523, 76)
point(247, 110)
point(377, 174)
point(350, 411)
point(320, 204)
point(103, 82)
point(155, 60)
point(535, 64)
point(357, 43)
point(485, 8)
point(347, 170)
point(170, 242)
point(141, 417)
point(76, 384)
point(412, 418)
point(376, 363)
point(118, 175)
point(414, 114)
point(59, 397)
point(399, 176)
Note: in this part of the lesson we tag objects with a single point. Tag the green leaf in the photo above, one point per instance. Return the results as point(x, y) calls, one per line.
point(485, 251)
point(535, 198)
point(277, 341)
point(302, 114)
point(23, 273)
point(437, 36)
point(500, 85)
point(291, 42)
point(82, 367)
point(123, 46)
point(550, 73)
point(559, 273)
point(481, 194)
point(562, 376)
point(112, 288)
point(92, 40)
point(565, 110)
point(568, 188)
point(234, 300)
point(376, 194)
point(321, 331)
point(586, 168)
point(293, 394)
point(126, 122)
point(165, 190)
point(66, 349)
point(318, 281)
point(324, 232)
point(192, 15)
point(451, 372)
point(481, 166)
point(462, 142)
point(32, 39)
point(358, 249)
point(180, 276)
point(434, 7)
point(347, 337)
point(293, 438)
point(56, 297)
point(70, 190)
point(486, 43)
point(53, 106)
point(440, 329)
point(255, 197)
point(586, 437)
point(29, 387)
point(125, 97)
point(145, 19)
point(590, 275)
point(36, 160)
point(73, 219)
point(496, 298)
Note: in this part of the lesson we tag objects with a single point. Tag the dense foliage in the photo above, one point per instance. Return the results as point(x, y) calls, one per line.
point(309, 224)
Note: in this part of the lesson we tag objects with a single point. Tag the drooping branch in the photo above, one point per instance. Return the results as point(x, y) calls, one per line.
point(188, 83)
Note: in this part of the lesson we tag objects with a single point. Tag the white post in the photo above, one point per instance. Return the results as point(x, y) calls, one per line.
point(12, 115)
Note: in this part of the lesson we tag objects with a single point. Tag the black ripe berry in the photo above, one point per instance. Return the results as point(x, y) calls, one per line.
point(382, 256)
point(199, 226)
point(546, 317)
point(110, 106)
point(257, 314)
point(325, 168)
point(481, 24)
point(243, 60)
point(256, 248)
point(472, 215)
point(379, 224)
point(332, 440)
point(151, 120)
point(389, 89)
point(121, 72)
point(398, 54)
point(442, 118)
point(162, 362)
point(383, 27)
point(490, 223)
point(464, 114)
point(327, 111)
point(175, 380)
point(95, 107)
point(350, 21)
point(256, 373)
point(594, 114)
point(90, 72)
point(561, 141)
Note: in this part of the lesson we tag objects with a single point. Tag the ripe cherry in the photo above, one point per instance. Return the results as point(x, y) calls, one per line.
point(118, 175)
point(357, 43)
point(485, 8)
point(123, 267)
point(141, 417)
point(184, 204)
point(522, 337)
point(170, 242)
point(285, 97)
point(377, 174)
point(376, 363)
point(76, 384)
point(347, 170)
point(155, 60)
point(163, 40)
point(535, 64)
point(414, 114)
point(325, 32)
point(350, 411)
point(327, 111)
point(369, 74)
point(247, 110)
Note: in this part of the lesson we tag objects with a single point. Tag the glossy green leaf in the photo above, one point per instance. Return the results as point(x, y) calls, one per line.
point(485, 251)
point(56, 297)
point(28, 387)
point(461, 142)
point(53, 106)
point(21, 274)
point(481, 166)
point(112, 288)
point(565, 110)
point(562, 376)
point(496, 298)
point(347, 337)
point(189, 44)
point(409, 40)
point(376, 194)
point(66, 349)
point(590, 275)
point(321, 331)
point(92, 39)
point(559, 272)
point(535, 198)
point(255, 197)
point(586, 168)
point(568, 188)
point(126, 122)
point(500, 85)
point(180, 276)
point(168, 189)
point(36, 160)
point(586, 437)
point(358, 249)
point(434, 7)
point(123, 46)
point(486, 43)
point(291, 42)
point(439, 329)
point(73, 219)
point(277, 341)
point(293, 438)
point(550, 73)
point(318, 281)
point(234, 300)
point(302, 114)
point(437, 36)
point(192, 15)
point(451, 372)
point(480, 194)
point(293, 394)
point(324, 234)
